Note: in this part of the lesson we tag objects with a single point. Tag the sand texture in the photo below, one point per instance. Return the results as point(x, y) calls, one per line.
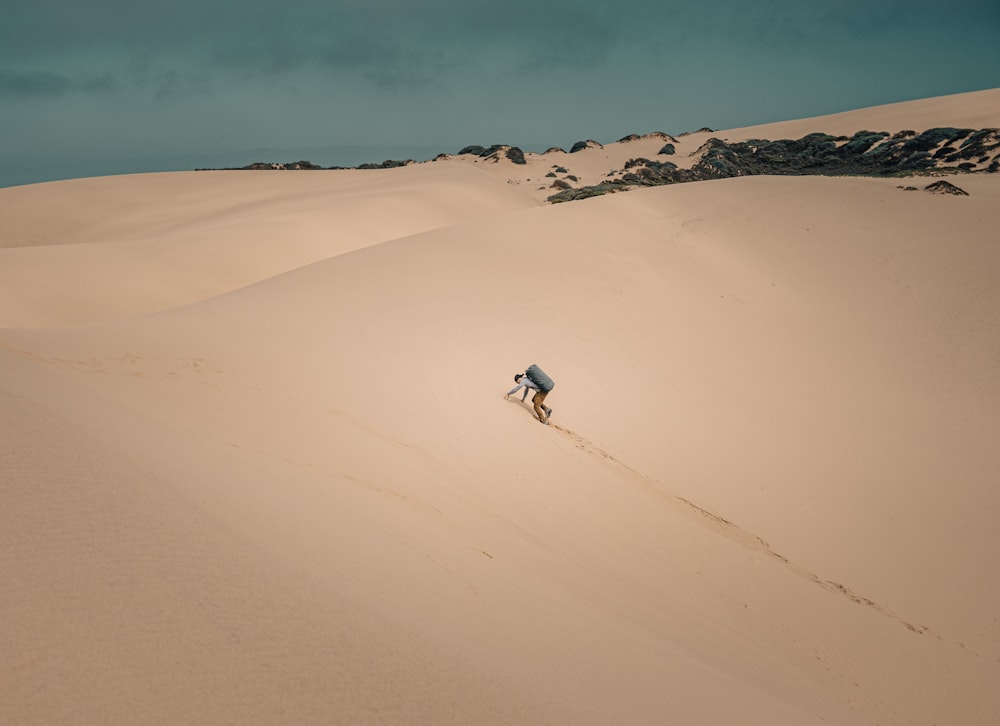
point(257, 467)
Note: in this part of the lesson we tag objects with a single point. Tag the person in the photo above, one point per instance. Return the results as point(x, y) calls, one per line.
point(538, 400)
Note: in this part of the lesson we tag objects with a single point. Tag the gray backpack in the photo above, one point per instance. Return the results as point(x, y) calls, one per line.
point(539, 378)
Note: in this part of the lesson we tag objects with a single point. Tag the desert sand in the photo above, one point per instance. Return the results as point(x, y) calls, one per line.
point(258, 467)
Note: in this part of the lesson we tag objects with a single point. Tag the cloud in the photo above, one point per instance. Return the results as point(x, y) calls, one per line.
point(387, 44)
point(396, 44)
point(32, 84)
point(48, 84)
point(198, 46)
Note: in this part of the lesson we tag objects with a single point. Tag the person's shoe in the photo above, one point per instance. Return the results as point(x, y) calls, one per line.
point(544, 423)
point(548, 413)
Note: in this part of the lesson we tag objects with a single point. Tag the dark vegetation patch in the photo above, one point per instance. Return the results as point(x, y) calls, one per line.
point(387, 164)
point(292, 165)
point(866, 153)
point(944, 187)
point(588, 144)
point(502, 151)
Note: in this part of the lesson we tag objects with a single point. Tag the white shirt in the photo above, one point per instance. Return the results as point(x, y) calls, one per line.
point(525, 382)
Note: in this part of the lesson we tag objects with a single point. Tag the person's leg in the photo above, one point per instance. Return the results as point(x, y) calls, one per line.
point(539, 401)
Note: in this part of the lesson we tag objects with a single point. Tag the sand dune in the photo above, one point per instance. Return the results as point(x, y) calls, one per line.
point(131, 245)
point(975, 110)
point(294, 492)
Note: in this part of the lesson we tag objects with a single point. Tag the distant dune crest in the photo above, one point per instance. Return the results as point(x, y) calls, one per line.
point(905, 143)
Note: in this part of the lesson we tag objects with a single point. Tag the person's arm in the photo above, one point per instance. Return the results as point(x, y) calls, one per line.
point(527, 384)
point(518, 387)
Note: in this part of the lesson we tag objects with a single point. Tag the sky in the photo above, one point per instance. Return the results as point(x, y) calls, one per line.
point(119, 86)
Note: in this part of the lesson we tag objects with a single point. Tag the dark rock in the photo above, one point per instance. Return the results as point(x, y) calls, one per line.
point(516, 155)
point(657, 167)
point(586, 192)
point(868, 153)
point(477, 150)
point(292, 165)
point(503, 151)
point(660, 135)
point(387, 164)
point(943, 187)
point(981, 144)
point(862, 141)
point(667, 150)
point(934, 137)
point(588, 144)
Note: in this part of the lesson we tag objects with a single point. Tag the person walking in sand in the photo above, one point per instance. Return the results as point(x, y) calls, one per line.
point(541, 384)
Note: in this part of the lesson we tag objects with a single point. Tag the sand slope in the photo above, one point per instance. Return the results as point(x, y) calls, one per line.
point(82, 251)
point(768, 497)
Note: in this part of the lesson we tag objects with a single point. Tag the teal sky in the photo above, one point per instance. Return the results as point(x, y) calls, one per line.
point(114, 86)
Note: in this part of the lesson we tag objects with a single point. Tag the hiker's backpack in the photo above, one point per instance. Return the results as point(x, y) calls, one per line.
point(539, 378)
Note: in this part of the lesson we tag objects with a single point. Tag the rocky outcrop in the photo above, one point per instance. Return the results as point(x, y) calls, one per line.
point(387, 164)
point(502, 151)
point(588, 144)
point(496, 153)
point(300, 165)
point(294, 165)
point(867, 153)
point(654, 135)
point(944, 187)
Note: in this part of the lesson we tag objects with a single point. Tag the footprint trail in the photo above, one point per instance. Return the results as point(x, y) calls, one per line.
point(691, 511)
